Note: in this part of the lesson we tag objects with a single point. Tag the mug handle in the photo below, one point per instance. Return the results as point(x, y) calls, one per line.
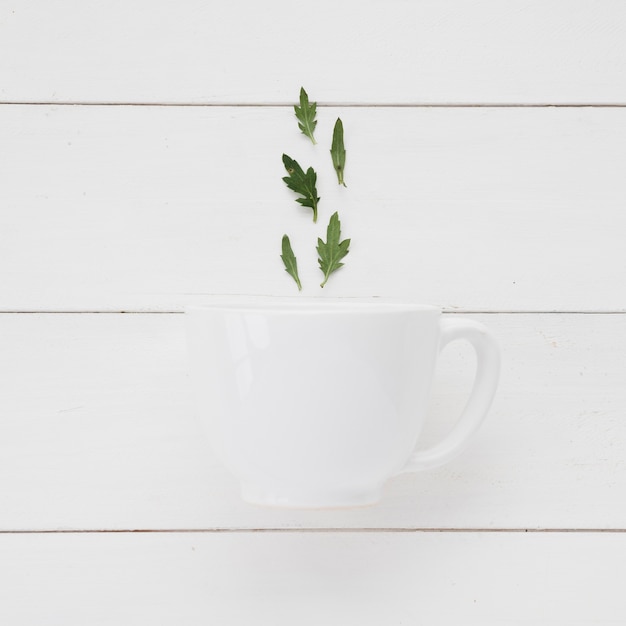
point(485, 383)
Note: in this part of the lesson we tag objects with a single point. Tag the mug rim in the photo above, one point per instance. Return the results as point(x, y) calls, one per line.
point(309, 304)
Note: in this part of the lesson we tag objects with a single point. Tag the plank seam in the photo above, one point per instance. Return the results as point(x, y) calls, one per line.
point(381, 105)
point(310, 530)
point(444, 310)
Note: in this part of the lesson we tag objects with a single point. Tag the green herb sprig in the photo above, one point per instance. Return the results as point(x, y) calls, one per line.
point(290, 261)
point(338, 152)
point(302, 183)
point(332, 251)
point(306, 115)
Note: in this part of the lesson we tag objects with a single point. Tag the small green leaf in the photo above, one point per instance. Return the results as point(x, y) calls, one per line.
point(338, 152)
point(301, 183)
point(289, 259)
point(306, 115)
point(331, 252)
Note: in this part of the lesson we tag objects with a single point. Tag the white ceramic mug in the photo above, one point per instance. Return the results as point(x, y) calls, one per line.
point(318, 402)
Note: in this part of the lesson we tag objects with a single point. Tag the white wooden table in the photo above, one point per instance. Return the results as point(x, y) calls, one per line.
point(140, 170)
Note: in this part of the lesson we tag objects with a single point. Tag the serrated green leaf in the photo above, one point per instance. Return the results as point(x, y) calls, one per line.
point(306, 115)
point(289, 259)
point(302, 183)
point(332, 251)
point(338, 152)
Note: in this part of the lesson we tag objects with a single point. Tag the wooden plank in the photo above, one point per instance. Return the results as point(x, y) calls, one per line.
point(312, 578)
point(98, 432)
point(448, 51)
point(149, 208)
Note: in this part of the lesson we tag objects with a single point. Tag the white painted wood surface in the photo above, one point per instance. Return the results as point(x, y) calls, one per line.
point(190, 51)
point(147, 208)
point(313, 578)
point(98, 432)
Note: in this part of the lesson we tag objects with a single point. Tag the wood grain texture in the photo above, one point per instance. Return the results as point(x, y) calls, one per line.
point(98, 432)
point(149, 208)
point(445, 51)
point(311, 579)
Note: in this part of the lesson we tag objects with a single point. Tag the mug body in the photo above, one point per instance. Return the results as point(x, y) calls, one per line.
point(312, 403)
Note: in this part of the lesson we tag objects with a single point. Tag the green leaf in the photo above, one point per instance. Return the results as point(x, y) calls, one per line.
point(306, 115)
point(289, 259)
point(301, 183)
point(331, 252)
point(338, 152)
